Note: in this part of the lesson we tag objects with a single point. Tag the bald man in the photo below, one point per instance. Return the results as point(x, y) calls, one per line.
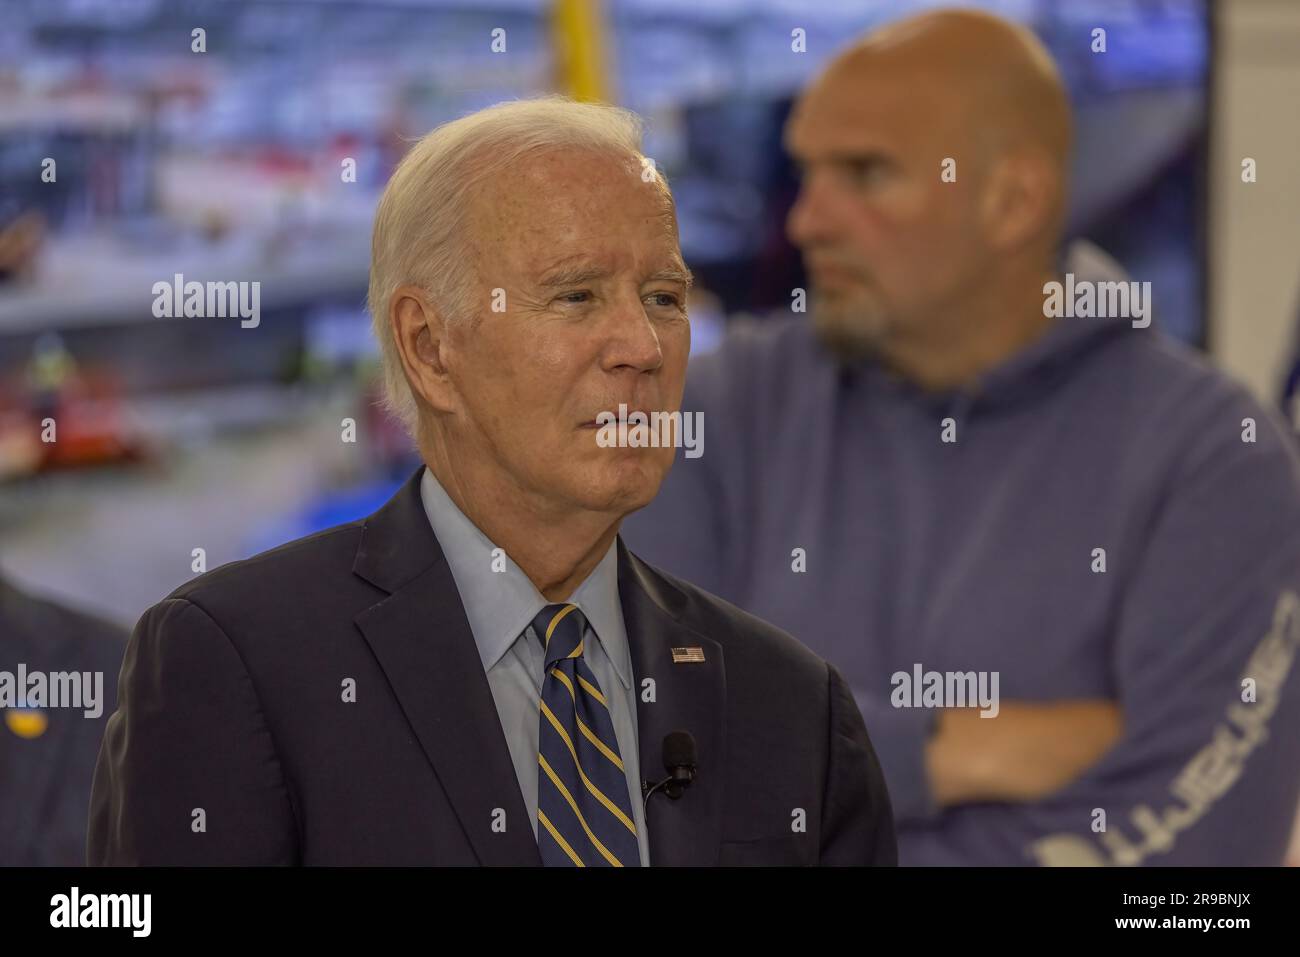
point(1058, 558)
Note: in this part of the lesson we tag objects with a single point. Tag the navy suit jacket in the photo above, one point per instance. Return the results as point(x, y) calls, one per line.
point(233, 742)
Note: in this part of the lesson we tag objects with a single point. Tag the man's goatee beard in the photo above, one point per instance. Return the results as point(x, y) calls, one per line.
point(850, 342)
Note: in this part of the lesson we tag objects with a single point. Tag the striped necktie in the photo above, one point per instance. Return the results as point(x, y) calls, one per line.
point(584, 814)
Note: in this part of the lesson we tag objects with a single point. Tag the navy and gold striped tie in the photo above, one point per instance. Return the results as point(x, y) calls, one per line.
point(584, 814)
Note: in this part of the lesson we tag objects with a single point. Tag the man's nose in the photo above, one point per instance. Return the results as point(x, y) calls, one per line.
point(812, 217)
point(635, 339)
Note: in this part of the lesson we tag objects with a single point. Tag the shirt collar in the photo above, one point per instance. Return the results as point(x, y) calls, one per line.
point(598, 598)
point(501, 604)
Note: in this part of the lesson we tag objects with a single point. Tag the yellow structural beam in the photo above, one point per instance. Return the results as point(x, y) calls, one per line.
point(578, 35)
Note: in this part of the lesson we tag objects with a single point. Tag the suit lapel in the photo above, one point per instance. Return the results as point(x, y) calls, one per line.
point(422, 640)
point(688, 696)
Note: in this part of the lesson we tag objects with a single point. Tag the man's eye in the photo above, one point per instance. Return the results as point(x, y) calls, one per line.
point(865, 172)
point(672, 300)
point(576, 297)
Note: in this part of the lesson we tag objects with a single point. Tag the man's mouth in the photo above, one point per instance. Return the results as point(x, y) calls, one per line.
point(613, 417)
point(833, 274)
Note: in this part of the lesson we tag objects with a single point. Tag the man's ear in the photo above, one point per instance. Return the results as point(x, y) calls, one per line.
point(1019, 199)
point(421, 336)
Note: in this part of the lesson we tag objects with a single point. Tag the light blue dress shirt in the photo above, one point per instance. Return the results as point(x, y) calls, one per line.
point(500, 606)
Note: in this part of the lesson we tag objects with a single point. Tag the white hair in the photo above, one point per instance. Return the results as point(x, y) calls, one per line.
point(421, 222)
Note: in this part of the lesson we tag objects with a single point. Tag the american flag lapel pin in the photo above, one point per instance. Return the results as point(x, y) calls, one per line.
point(683, 655)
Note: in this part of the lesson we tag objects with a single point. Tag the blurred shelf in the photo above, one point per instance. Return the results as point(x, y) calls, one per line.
point(101, 281)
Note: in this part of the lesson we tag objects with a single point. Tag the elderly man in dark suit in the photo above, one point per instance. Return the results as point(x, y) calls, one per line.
point(481, 672)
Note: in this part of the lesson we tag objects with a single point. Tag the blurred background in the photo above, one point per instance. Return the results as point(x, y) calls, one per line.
point(229, 163)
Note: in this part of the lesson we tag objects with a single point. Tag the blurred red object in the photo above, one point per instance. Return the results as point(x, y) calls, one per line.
point(72, 419)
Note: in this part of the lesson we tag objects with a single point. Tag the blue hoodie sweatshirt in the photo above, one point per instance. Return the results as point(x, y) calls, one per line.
point(981, 555)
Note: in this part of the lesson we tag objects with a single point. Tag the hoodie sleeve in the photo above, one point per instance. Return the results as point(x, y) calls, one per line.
point(1207, 769)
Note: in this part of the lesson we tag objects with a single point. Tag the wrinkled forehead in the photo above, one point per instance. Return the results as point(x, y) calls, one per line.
point(566, 204)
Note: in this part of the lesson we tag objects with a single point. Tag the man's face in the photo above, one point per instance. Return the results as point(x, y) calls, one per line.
point(583, 255)
point(885, 241)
